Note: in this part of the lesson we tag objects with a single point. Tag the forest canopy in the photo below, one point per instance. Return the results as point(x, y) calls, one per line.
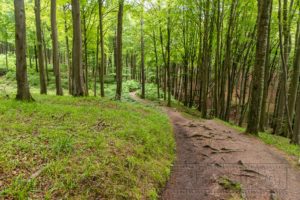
point(235, 60)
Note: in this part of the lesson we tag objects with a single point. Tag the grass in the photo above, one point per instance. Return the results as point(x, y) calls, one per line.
point(82, 148)
point(234, 187)
point(279, 142)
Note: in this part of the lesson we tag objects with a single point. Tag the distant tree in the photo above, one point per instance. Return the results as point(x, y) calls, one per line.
point(40, 50)
point(56, 68)
point(78, 80)
point(102, 63)
point(119, 51)
point(142, 53)
point(23, 92)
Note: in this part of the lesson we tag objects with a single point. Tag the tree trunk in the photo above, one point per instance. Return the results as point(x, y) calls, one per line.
point(156, 65)
point(258, 73)
point(78, 80)
point(296, 131)
point(23, 92)
point(69, 66)
point(56, 67)
point(168, 58)
point(43, 85)
point(85, 68)
point(295, 79)
point(102, 63)
point(142, 54)
point(119, 51)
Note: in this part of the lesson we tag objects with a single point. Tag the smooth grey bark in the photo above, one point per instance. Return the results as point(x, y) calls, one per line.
point(119, 75)
point(78, 80)
point(43, 84)
point(23, 92)
point(55, 54)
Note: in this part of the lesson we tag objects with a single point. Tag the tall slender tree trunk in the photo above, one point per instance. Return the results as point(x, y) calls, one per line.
point(168, 58)
point(68, 50)
point(43, 85)
point(56, 67)
point(119, 51)
point(45, 57)
point(85, 68)
point(142, 53)
point(262, 121)
point(156, 65)
point(78, 80)
point(102, 63)
point(258, 72)
point(23, 92)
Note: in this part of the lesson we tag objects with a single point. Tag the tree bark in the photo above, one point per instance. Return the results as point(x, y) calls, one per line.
point(119, 51)
point(102, 63)
point(142, 54)
point(43, 84)
point(258, 73)
point(78, 80)
point(23, 92)
point(56, 67)
point(68, 50)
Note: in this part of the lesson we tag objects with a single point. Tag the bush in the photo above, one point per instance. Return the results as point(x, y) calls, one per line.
point(132, 85)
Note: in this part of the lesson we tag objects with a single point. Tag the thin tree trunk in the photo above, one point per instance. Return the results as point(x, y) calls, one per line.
point(56, 67)
point(142, 54)
point(43, 85)
point(102, 63)
point(69, 65)
point(119, 51)
point(168, 58)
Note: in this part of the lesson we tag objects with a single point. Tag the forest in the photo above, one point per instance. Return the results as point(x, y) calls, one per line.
point(115, 99)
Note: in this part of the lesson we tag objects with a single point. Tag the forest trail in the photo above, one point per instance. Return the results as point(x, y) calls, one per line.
point(216, 162)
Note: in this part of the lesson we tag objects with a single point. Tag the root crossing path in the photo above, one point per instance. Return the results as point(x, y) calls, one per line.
point(216, 162)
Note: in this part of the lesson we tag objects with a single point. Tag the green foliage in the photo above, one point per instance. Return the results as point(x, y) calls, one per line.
point(132, 85)
point(85, 147)
point(151, 92)
point(63, 144)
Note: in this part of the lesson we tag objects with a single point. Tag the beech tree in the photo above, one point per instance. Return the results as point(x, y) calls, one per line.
point(79, 88)
point(40, 50)
point(258, 71)
point(119, 72)
point(55, 49)
point(23, 92)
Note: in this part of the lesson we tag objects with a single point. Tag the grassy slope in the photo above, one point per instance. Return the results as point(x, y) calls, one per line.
point(83, 148)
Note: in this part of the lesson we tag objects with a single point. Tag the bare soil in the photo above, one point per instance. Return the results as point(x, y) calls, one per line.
point(216, 162)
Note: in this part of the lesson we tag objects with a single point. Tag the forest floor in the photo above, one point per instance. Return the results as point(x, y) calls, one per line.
point(82, 148)
point(215, 161)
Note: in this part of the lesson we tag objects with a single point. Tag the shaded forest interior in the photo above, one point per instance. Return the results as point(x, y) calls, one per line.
point(230, 59)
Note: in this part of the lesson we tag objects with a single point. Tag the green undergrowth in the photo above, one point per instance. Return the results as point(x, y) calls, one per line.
point(279, 142)
point(151, 94)
point(82, 148)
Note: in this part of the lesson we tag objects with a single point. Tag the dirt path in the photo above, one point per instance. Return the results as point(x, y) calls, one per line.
point(216, 162)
